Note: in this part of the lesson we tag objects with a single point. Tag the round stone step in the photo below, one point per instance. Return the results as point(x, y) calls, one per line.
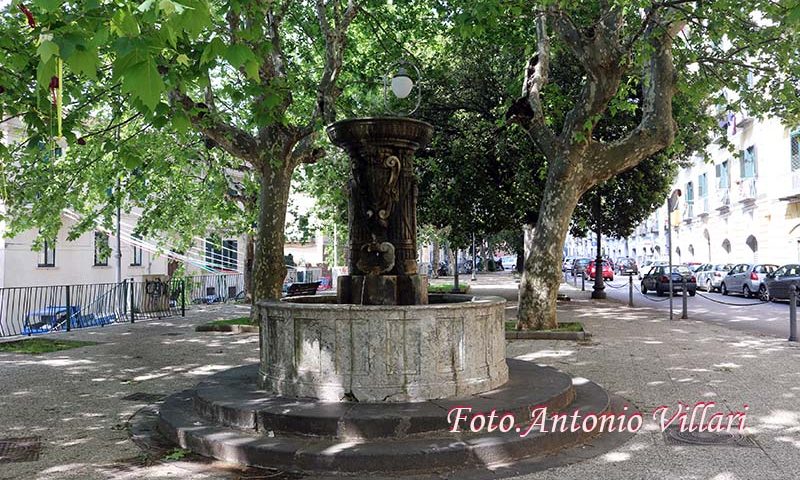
point(436, 451)
point(232, 399)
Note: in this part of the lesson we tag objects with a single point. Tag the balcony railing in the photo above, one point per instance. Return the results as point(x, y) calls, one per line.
point(747, 189)
point(724, 198)
point(702, 206)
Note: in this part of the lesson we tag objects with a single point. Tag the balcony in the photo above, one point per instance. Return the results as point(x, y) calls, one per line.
point(688, 212)
point(724, 199)
point(793, 195)
point(747, 190)
point(702, 207)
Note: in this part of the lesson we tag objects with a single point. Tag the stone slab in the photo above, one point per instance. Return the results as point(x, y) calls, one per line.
point(435, 452)
point(231, 398)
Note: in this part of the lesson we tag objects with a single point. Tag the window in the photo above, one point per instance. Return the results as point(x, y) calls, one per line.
point(702, 186)
point(723, 177)
point(101, 249)
point(748, 163)
point(136, 252)
point(47, 257)
point(795, 146)
point(230, 254)
point(213, 252)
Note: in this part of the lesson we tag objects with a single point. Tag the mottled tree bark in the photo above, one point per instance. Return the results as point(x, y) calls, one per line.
point(543, 251)
point(269, 270)
point(249, 257)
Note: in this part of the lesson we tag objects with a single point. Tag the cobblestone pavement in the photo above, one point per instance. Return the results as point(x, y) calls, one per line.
point(74, 399)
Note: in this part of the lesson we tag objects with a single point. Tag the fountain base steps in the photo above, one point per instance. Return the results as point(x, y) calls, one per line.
point(228, 418)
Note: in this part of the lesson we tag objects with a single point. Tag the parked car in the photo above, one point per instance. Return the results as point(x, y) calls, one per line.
point(646, 266)
point(747, 279)
point(567, 265)
point(709, 276)
point(656, 279)
point(781, 281)
point(627, 266)
point(606, 271)
point(579, 266)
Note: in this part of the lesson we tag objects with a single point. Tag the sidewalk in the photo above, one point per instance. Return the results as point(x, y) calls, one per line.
point(74, 401)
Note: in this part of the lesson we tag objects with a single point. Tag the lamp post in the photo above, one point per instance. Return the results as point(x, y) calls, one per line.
point(599, 288)
point(672, 202)
point(474, 258)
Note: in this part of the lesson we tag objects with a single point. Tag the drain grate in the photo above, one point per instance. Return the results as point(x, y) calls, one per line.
point(144, 397)
point(23, 449)
point(171, 334)
point(674, 436)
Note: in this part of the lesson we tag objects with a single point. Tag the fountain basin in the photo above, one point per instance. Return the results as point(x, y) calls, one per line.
point(314, 347)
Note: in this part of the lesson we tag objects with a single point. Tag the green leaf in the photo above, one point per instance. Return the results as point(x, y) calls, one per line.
point(238, 54)
point(181, 123)
point(48, 5)
point(214, 49)
point(84, 61)
point(143, 81)
point(44, 72)
point(47, 49)
point(251, 68)
point(124, 24)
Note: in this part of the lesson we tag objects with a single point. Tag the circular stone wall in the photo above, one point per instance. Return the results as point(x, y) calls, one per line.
point(313, 347)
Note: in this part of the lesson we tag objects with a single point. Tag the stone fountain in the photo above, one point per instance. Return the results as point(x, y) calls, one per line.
point(362, 381)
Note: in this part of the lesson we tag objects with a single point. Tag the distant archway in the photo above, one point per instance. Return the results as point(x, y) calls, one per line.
point(707, 236)
point(678, 253)
point(753, 244)
point(691, 250)
point(726, 245)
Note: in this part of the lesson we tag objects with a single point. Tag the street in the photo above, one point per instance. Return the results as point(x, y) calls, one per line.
point(746, 314)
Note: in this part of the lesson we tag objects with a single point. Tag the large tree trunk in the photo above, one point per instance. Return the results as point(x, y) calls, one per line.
point(538, 287)
point(435, 259)
point(249, 254)
point(269, 270)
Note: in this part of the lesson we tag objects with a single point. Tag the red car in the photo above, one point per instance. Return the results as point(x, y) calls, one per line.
point(608, 272)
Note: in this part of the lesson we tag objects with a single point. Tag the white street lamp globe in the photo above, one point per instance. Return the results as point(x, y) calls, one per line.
point(402, 84)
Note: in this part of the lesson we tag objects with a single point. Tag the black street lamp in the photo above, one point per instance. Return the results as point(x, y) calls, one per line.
point(599, 288)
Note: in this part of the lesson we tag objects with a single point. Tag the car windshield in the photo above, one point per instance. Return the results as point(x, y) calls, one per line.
point(682, 270)
point(723, 266)
point(766, 268)
point(582, 261)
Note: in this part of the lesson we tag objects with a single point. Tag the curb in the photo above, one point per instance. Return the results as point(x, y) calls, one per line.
point(533, 335)
point(208, 327)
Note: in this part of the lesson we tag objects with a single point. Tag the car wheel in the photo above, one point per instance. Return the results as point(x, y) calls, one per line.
point(709, 287)
point(763, 295)
point(746, 292)
point(723, 289)
point(644, 288)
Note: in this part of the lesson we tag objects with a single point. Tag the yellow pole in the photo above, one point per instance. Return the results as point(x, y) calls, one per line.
point(59, 95)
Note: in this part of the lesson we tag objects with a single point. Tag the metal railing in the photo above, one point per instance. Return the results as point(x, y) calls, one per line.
point(214, 288)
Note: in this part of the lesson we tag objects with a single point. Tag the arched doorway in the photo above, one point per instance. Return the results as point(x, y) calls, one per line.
point(691, 251)
point(678, 254)
point(753, 244)
point(726, 246)
point(707, 236)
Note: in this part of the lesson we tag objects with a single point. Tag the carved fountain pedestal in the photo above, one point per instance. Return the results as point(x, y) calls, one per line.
point(363, 381)
point(382, 211)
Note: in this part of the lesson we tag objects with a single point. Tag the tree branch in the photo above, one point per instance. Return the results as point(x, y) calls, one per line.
point(527, 110)
point(656, 130)
point(233, 140)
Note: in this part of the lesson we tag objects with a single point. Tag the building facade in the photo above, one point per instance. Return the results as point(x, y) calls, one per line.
point(740, 206)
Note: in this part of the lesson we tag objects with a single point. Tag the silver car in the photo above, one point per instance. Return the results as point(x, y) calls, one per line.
point(747, 279)
point(709, 276)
